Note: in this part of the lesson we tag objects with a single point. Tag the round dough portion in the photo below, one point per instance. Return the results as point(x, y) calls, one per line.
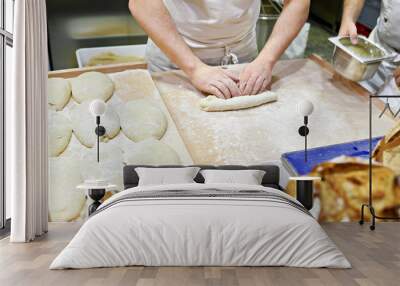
point(142, 119)
point(59, 93)
point(150, 152)
point(92, 85)
point(65, 202)
point(60, 132)
point(84, 124)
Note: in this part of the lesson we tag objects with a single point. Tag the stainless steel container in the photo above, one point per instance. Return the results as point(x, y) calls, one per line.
point(75, 24)
point(269, 13)
point(357, 62)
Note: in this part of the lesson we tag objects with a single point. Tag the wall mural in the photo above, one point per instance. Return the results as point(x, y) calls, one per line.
point(158, 121)
point(139, 130)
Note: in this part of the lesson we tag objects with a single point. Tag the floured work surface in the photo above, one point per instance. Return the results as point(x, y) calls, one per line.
point(263, 133)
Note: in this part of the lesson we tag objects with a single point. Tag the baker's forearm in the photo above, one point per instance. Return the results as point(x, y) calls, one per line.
point(288, 25)
point(352, 10)
point(155, 19)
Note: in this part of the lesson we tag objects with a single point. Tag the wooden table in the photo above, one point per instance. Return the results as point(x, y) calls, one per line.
point(262, 134)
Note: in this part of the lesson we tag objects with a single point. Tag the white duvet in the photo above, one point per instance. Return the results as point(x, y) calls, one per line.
point(200, 231)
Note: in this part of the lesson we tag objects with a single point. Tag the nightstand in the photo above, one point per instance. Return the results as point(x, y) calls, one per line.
point(96, 192)
point(304, 190)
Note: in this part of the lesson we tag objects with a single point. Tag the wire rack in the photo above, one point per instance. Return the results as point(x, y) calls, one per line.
point(370, 201)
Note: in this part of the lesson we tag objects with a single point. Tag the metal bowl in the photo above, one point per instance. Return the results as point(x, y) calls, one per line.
point(357, 62)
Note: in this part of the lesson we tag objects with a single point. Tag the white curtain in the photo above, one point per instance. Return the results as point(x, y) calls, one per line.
point(26, 123)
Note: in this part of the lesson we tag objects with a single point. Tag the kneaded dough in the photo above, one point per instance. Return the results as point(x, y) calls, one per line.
point(59, 93)
point(142, 119)
point(60, 132)
point(65, 202)
point(84, 124)
point(150, 152)
point(92, 85)
point(213, 103)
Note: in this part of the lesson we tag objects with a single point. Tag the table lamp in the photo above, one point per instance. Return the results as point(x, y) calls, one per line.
point(305, 108)
point(98, 107)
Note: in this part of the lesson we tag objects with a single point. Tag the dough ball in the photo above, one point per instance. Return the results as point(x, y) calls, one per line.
point(92, 85)
point(109, 168)
point(59, 93)
point(142, 119)
point(150, 152)
point(65, 201)
point(84, 124)
point(60, 132)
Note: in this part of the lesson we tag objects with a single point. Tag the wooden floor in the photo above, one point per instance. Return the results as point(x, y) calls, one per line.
point(375, 257)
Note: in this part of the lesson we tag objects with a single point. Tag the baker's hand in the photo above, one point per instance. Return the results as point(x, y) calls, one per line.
point(215, 80)
point(349, 29)
point(255, 78)
point(396, 75)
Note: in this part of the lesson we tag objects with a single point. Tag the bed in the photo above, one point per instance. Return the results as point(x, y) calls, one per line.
point(201, 224)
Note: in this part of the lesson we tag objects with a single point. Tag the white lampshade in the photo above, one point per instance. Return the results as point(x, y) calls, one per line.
point(97, 107)
point(305, 108)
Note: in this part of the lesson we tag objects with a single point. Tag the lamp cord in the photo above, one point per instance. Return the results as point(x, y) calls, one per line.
point(98, 138)
point(305, 138)
point(305, 148)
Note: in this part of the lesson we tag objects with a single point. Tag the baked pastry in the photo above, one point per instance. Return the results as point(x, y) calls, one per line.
point(345, 187)
point(387, 150)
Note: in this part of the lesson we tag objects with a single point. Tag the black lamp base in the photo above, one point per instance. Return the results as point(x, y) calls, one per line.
point(304, 130)
point(96, 195)
point(100, 130)
point(304, 193)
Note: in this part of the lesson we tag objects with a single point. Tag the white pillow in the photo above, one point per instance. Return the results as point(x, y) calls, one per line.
point(242, 177)
point(166, 176)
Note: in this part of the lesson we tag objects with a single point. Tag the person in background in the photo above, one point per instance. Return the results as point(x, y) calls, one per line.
point(386, 34)
point(198, 36)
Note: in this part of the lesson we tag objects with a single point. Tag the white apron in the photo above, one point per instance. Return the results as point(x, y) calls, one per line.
point(387, 35)
point(213, 29)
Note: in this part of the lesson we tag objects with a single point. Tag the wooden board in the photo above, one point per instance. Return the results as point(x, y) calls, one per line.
point(68, 73)
point(131, 82)
point(262, 134)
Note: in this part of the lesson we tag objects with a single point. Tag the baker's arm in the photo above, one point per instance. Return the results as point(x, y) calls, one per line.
point(351, 12)
point(397, 76)
point(155, 19)
point(257, 75)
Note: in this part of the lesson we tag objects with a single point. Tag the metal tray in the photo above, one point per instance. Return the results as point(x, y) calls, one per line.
point(354, 66)
point(376, 52)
